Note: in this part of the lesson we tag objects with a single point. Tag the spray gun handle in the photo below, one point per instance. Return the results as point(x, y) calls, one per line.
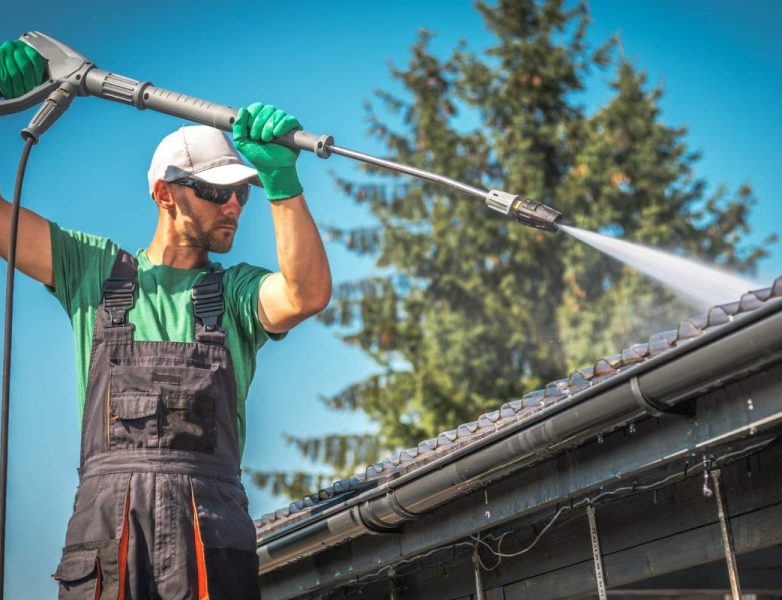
point(66, 69)
point(52, 109)
point(66, 65)
point(62, 64)
point(31, 98)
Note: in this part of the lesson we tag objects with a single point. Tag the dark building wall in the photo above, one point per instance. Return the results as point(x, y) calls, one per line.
point(644, 534)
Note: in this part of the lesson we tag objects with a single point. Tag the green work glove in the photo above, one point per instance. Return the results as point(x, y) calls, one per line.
point(254, 128)
point(21, 69)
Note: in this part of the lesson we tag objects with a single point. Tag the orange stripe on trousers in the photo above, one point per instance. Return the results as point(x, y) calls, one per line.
point(122, 557)
point(98, 575)
point(203, 591)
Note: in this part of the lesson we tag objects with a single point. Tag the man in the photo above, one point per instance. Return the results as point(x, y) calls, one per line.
point(166, 345)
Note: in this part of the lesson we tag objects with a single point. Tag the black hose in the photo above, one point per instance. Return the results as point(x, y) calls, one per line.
point(9, 308)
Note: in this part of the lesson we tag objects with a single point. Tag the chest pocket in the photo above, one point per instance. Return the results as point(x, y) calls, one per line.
point(156, 403)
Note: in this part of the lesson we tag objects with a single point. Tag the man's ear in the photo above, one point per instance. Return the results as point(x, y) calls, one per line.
point(163, 195)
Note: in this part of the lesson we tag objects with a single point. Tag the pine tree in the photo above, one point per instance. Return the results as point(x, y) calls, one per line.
point(477, 309)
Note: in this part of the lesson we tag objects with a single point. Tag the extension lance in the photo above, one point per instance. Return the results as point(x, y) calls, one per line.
point(71, 74)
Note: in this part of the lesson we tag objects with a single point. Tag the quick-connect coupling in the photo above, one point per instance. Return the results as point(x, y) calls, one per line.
point(529, 212)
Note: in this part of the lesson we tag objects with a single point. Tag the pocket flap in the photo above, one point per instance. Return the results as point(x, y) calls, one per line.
point(188, 402)
point(133, 407)
point(76, 565)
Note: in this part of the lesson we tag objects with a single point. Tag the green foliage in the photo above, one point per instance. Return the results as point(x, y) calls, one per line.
point(340, 451)
point(296, 484)
point(479, 309)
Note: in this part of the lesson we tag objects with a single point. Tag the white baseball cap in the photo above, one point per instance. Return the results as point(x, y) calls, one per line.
point(199, 152)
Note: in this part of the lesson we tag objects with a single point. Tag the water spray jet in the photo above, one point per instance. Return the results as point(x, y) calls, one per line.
point(701, 285)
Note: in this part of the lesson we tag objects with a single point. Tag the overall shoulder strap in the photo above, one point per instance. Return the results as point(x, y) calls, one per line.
point(119, 290)
point(208, 308)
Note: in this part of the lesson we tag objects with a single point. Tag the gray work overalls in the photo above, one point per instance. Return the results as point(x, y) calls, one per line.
point(160, 511)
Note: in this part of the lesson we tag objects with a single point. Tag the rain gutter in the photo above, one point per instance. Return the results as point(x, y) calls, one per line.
point(656, 387)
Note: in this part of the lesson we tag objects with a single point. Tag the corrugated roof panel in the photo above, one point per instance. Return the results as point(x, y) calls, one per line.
point(533, 398)
point(446, 438)
point(408, 454)
point(669, 336)
point(687, 330)
point(732, 308)
point(750, 301)
point(603, 367)
point(577, 382)
point(700, 321)
point(717, 316)
point(658, 345)
point(467, 429)
point(507, 410)
point(586, 372)
point(489, 419)
point(428, 445)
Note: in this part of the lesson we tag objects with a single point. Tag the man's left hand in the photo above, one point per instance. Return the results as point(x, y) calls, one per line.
point(254, 129)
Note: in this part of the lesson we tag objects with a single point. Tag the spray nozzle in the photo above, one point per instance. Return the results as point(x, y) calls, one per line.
point(529, 212)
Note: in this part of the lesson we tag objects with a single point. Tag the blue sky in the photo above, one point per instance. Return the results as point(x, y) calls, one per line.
point(720, 63)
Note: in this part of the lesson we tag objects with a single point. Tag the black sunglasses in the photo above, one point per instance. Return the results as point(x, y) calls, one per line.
point(217, 194)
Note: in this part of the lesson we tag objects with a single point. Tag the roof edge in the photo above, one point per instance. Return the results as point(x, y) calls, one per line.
point(748, 342)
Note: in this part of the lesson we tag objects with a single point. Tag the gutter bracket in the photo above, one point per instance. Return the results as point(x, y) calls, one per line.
point(727, 537)
point(657, 408)
point(394, 593)
point(480, 593)
point(596, 554)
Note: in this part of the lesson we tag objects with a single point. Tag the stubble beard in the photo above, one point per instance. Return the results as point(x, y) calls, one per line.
point(214, 240)
point(206, 236)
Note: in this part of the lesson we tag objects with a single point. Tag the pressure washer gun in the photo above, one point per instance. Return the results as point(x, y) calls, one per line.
point(71, 74)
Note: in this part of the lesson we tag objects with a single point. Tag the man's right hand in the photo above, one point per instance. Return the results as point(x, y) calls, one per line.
point(21, 69)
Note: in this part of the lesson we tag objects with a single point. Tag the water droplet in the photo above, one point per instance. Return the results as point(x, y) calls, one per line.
point(488, 514)
point(753, 430)
point(631, 429)
point(600, 439)
point(750, 406)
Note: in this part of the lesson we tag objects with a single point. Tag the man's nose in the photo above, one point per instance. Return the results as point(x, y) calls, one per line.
point(233, 206)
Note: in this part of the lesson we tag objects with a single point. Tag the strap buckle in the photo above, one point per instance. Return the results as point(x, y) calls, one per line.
point(208, 304)
point(118, 298)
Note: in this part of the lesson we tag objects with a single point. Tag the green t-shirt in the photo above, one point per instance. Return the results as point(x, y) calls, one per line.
point(163, 308)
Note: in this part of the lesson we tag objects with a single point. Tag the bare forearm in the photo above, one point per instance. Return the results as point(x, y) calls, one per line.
point(302, 258)
point(33, 248)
